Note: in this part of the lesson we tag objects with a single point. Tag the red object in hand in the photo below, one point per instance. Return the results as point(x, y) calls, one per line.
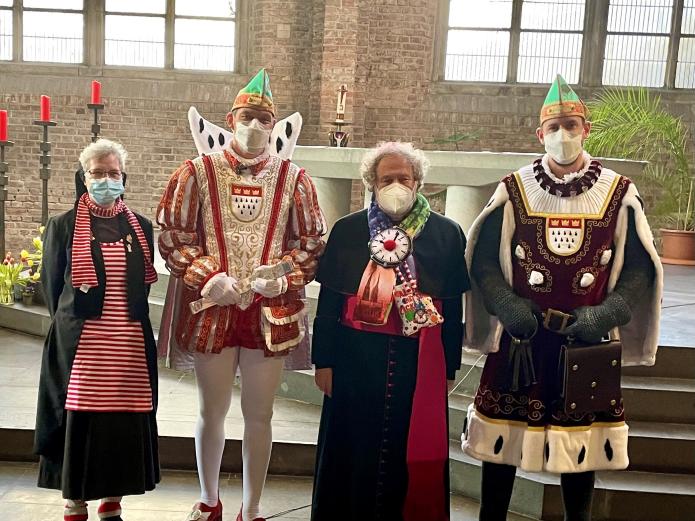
point(3, 125)
point(45, 108)
point(390, 244)
point(96, 92)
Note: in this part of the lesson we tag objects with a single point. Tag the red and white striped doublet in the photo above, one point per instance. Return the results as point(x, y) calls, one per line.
point(110, 369)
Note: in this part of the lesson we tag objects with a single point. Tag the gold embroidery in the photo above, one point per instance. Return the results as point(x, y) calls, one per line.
point(505, 403)
point(528, 265)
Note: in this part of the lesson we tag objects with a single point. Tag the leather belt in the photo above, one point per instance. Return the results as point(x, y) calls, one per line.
point(556, 321)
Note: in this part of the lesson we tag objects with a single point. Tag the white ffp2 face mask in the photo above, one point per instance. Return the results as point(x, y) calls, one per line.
point(563, 146)
point(252, 138)
point(395, 199)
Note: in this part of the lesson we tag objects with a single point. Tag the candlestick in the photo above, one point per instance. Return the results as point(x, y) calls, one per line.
point(96, 92)
point(4, 168)
point(45, 170)
point(45, 108)
point(3, 128)
point(96, 127)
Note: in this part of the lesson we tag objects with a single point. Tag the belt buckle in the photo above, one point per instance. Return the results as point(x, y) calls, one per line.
point(555, 320)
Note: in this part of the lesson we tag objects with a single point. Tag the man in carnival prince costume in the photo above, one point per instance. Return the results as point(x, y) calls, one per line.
point(562, 251)
point(241, 228)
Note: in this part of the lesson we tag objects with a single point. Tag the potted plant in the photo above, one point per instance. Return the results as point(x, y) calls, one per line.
point(28, 295)
point(32, 261)
point(632, 123)
point(10, 275)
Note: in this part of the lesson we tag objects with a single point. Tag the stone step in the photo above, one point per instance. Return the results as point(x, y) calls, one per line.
point(662, 447)
point(32, 320)
point(671, 362)
point(669, 400)
point(619, 496)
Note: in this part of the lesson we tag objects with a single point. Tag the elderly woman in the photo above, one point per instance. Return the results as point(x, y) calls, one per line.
point(387, 337)
point(96, 431)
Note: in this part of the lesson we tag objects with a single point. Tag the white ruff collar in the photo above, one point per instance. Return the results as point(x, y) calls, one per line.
point(592, 203)
point(567, 178)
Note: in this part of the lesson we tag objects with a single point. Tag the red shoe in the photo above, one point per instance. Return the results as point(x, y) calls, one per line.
point(203, 512)
point(239, 517)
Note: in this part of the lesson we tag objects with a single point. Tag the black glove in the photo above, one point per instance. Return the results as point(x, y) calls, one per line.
point(516, 314)
point(592, 323)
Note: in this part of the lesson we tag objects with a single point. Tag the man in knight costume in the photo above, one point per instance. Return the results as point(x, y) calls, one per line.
point(241, 229)
point(562, 253)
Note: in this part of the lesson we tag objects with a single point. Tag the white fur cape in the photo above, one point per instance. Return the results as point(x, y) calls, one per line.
point(639, 337)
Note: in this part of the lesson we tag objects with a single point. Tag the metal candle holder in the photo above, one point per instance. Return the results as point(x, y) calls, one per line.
point(4, 168)
point(45, 170)
point(96, 127)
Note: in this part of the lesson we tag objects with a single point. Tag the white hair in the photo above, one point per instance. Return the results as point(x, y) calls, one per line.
point(415, 157)
point(102, 148)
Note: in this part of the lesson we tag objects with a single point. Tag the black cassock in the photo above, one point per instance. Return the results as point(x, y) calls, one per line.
point(361, 471)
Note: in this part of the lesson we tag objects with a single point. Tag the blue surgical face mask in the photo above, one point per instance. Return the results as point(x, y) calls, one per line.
point(106, 191)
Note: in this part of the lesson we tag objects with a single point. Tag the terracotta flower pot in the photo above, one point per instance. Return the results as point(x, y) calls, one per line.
point(678, 247)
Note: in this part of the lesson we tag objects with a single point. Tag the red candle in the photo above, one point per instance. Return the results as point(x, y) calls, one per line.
point(3, 125)
point(96, 93)
point(45, 108)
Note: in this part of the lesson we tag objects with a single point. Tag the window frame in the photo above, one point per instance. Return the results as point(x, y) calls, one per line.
point(94, 37)
point(11, 9)
point(18, 11)
point(594, 34)
point(233, 18)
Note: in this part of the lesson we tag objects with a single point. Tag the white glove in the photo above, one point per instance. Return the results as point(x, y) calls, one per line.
point(269, 288)
point(221, 289)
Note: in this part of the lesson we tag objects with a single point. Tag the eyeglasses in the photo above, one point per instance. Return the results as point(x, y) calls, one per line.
point(101, 174)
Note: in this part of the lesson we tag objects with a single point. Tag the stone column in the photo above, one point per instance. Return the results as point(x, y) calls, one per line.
point(334, 198)
point(464, 203)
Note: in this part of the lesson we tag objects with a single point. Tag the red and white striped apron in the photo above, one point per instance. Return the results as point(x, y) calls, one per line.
point(110, 369)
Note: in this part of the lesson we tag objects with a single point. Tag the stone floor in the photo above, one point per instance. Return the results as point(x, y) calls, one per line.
point(21, 500)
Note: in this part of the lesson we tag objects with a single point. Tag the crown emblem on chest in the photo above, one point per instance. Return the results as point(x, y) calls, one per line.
point(564, 235)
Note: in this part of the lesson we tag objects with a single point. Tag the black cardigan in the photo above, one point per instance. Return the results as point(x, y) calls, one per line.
point(69, 307)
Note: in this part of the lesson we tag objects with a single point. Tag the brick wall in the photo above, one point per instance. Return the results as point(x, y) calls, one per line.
point(383, 50)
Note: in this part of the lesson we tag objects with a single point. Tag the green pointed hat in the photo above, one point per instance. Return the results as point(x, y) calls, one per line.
point(256, 94)
point(562, 101)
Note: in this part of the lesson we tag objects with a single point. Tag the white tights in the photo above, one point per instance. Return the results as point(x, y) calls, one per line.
point(215, 374)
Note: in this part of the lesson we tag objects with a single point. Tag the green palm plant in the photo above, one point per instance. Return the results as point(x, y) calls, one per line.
point(632, 123)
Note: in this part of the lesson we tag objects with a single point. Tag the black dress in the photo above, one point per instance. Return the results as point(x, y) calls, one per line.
point(361, 471)
point(91, 455)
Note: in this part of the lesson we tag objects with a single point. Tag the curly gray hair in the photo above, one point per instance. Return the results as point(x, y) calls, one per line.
point(102, 148)
point(415, 157)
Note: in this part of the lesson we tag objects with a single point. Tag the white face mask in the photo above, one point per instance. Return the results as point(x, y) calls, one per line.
point(563, 146)
point(395, 199)
point(252, 138)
